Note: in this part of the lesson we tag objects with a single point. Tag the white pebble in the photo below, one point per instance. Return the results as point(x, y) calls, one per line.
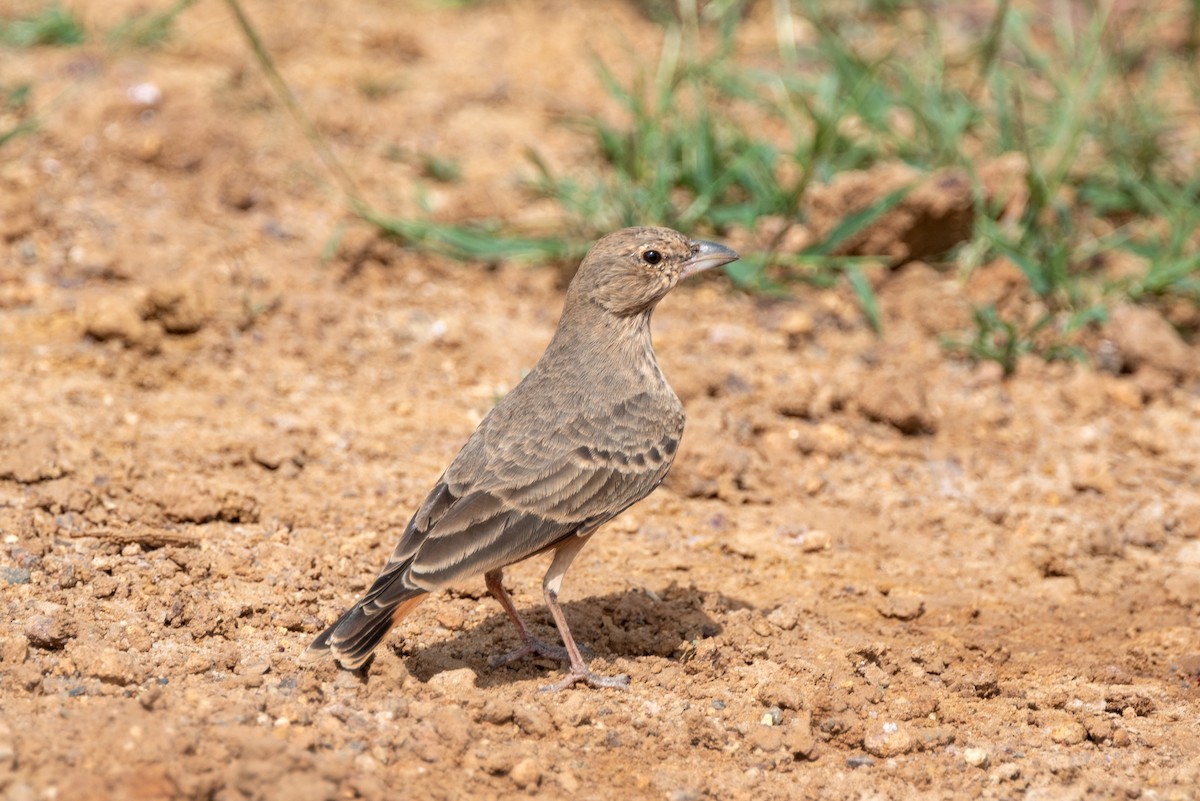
point(144, 94)
point(977, 757)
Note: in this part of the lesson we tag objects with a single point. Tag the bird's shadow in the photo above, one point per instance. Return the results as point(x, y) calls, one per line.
point(630, 624)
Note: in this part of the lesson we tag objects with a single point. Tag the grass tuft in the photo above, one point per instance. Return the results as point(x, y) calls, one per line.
point(147, 29)
point(53, 26)
point(1104, 210)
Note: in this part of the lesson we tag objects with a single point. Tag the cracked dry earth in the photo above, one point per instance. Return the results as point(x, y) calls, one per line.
point(875, 571)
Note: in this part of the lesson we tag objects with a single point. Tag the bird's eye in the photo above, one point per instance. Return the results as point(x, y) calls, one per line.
point(652, 257)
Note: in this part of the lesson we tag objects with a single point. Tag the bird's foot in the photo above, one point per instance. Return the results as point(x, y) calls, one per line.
point(534, 647)
point(589, 678)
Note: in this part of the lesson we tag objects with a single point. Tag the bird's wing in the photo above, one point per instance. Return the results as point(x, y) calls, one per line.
point(506, 498)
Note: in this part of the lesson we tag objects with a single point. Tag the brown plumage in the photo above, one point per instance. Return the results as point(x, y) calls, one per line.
point(590, 431)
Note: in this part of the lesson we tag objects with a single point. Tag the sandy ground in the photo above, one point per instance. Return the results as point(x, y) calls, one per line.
point(875, 571)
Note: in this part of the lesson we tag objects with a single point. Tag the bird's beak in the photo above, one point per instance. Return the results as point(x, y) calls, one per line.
point(707, 255)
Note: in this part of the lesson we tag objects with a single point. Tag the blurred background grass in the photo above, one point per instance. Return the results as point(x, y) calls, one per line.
point(1069, 128)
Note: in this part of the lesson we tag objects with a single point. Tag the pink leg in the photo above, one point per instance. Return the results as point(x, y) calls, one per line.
point(530, 645)
point(551, 584)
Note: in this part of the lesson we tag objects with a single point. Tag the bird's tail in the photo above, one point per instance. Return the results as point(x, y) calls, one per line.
point(355, 634)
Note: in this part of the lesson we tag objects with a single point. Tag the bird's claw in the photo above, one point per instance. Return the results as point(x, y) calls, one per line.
point(589, 678)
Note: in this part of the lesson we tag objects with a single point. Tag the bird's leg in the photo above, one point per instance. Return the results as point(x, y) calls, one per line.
point(530, 645)
point(551, 584)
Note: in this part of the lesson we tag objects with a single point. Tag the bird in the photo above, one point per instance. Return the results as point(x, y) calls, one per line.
point(591, 430)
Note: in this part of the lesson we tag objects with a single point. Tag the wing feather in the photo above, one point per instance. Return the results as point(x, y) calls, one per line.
point(505, 498)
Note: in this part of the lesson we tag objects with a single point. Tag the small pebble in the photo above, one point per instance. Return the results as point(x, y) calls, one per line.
point(144, 94)
point(451, 682)
point(526, 774)
point(149, 697)
point(815, 540)
point(1070, 732)
point(451, 617)
point(976, 757)
point(14, 575)
point(252, 667)
point(890, 742)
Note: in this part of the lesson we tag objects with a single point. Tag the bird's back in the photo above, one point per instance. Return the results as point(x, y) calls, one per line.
point(575, 443)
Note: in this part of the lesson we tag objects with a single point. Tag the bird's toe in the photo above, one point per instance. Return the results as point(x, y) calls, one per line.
point(589, 678)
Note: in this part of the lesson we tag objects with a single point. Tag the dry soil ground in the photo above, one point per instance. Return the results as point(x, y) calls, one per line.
point(876, 572)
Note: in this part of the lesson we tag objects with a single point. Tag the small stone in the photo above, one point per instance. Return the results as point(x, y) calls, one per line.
point(935, 737)
point(526, 774)
point(899, 400)
point(14, 575)
point(103, 586)
point(982, 683)
point(180, 308)
point(1089, 472)
point(454, 682)
point(976, 757)
point(496, 711)
point(788, 615)
point(32, 458)
point(566, 780)
point(900, 605)
point(1068, 732)
point(451, 617)
point(116, 317)
point(573, 710)
point(1152, 382)
point(534, 721)
point(1007, 772)
point(151, 695)
point(1099, 729)
point(766, 738)
point(50, 631)
point(107, 664)
point(779, 692)
point(798, 736)
point(826, 439)
point(1120, 738)
point(14, 650)
point(798, 324)
point(1146, 527)
point(1144, 338)
point(272, 452)
point(892, 741)
point(814, 541)
point(250, 666)
point(1129, 705)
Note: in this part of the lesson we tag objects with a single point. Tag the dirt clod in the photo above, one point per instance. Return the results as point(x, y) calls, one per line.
point(899, 399)
point(1145, 339)
point(31, 458)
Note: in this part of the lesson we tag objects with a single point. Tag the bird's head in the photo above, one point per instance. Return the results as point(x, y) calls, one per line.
point(629, 271)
